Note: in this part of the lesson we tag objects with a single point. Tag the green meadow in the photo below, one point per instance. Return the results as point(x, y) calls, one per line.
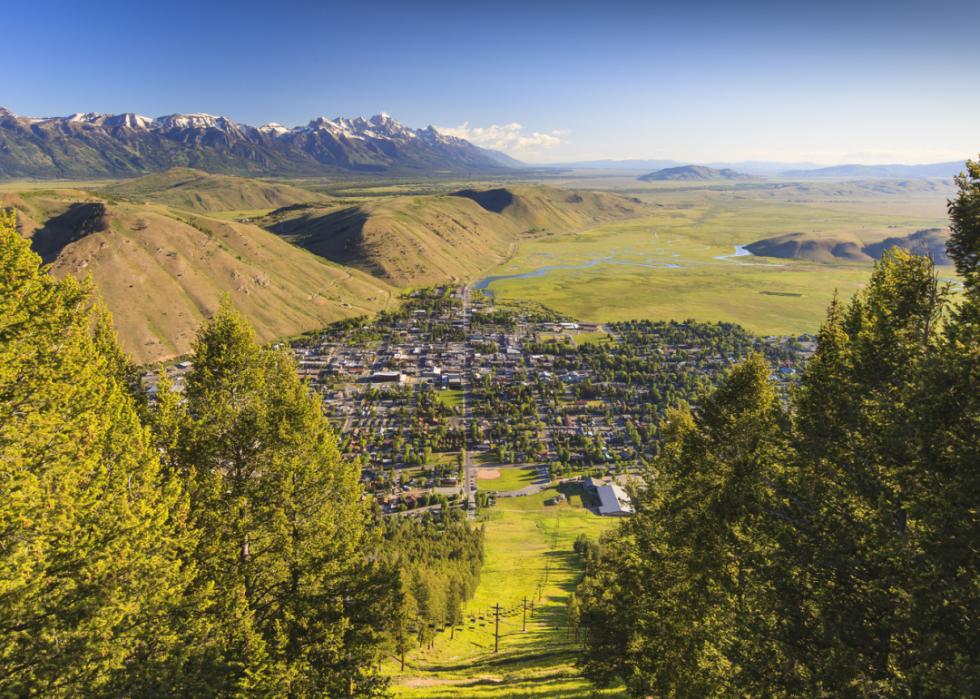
point(528, 554)
point(451, 398)
point(510, 478)
point(672, 264)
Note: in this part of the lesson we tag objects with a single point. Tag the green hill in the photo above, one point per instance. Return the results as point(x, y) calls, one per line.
point(195, 190)
point(851, 248)
point(161, 274)
point(411, 241)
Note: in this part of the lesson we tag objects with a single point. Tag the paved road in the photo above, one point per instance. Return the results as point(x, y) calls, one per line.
point(469, 474)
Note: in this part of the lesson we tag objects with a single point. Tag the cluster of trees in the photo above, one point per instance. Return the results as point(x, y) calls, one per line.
point(215, 546)
point(439, 557)
point(827, 547)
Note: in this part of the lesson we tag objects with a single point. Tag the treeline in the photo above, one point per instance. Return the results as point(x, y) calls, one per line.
point(211, 546)
point(439, 557)
point(827, 548)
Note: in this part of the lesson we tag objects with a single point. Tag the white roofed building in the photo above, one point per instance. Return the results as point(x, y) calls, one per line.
point(613, 501)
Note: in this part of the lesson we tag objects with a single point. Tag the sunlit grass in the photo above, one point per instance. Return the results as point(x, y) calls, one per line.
point(510, 478)
point(528, 555)
point(667, 266)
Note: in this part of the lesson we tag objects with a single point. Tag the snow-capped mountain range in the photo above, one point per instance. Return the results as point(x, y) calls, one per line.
point(117, 145)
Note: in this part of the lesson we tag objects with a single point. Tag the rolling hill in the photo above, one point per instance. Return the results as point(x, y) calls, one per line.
point(126, 145)
point(806, 246)
point(692, 173)
point(195, 190)
point(410, 241)
point(161, 274)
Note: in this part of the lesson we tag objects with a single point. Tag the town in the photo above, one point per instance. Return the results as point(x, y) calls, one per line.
point(454, 399)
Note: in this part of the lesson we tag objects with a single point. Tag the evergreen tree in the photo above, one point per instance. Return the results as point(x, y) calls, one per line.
point(946, 593)
point(842, 562)
point(297, 608)
point(89, 544)
point(689, 560)
point(964, 214)
point(855, 495)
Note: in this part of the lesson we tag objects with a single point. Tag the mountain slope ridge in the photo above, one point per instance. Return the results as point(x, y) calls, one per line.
point(161, 274)
point(196, 190)
point(413, 240)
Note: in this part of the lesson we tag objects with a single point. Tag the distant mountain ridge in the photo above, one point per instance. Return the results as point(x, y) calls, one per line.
point(690, 173)
point(123, 145)
point(949, 169)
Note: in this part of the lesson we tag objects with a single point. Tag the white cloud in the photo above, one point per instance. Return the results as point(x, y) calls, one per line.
point(510, 138)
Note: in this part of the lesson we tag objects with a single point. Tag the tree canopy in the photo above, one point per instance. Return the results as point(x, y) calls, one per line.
point(826, 548)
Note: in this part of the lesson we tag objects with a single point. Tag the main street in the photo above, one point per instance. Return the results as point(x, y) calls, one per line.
point(469, 473)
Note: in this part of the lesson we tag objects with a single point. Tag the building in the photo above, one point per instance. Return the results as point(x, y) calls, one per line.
point(613, 501)
point(386, 377)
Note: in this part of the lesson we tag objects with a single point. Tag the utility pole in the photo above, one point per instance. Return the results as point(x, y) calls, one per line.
point(496, 631)
point(524, 620)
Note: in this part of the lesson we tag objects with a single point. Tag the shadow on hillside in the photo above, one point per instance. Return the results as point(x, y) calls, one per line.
point(337, 235)
point(74, 224)
point(506, 659)
point(495, 200)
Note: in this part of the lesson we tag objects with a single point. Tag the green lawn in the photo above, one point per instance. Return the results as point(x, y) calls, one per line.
point(528, 553)
point(444, 458)
point(511, 478)
point(593, 338)
point(451, 398)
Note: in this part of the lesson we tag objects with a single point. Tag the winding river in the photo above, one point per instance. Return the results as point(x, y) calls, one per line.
point(484, 284)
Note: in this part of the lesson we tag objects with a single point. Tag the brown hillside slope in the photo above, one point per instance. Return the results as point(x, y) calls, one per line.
point(417, 240)
point(195, 190)
point(161, 275)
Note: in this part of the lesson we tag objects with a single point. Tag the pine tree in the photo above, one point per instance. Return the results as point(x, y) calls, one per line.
point(853, 500)
point(946, 590)
point(964, 214)
point(298, 609)
point(89, 545)
point(689, 561)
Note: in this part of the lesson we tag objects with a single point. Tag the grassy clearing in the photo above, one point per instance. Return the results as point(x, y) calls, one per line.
point(511, 478)
point(593, 338)
point(673, 265)
point(528, 553)
point(444, 458)
point(451, 398)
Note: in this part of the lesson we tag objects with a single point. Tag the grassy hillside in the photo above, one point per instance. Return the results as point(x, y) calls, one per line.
point(195, 190)
point(851, 248)
point(161, 274)
point(416, 240)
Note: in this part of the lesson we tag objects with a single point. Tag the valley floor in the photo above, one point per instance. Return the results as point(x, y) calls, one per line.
point(681, 262)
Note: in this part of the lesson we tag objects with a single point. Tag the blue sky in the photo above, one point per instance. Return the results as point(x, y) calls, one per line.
point(547, 81)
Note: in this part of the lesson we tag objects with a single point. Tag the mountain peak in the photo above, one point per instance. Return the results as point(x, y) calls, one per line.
point(103, 145)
